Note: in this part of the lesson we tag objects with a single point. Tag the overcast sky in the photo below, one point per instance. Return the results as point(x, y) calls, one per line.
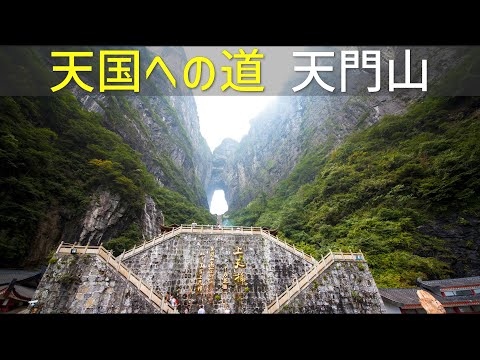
point(227, 116)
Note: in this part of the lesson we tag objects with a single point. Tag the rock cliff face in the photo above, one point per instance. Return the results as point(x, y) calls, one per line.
point(107, 215)
point(165, 130)
point(462, 239)
point(285, 131)
point(292, 126)
point(223, 171)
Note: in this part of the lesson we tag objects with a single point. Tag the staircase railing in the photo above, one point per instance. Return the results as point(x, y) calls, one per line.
point(288, 247)
point(210, 229)
point(158, 301)
point(304, 281)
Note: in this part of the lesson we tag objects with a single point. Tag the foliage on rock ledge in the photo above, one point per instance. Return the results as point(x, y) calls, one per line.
point(54, 154)
point(375, 190)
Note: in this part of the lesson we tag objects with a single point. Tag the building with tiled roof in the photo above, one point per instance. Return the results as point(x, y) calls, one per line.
point(17, 288)
point(461, 295)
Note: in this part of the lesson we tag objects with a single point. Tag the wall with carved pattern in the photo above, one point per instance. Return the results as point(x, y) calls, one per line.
point(173, 266)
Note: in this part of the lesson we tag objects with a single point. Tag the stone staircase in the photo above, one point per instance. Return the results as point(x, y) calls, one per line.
point(212, 230)
point(304, 281)
point(157, 300)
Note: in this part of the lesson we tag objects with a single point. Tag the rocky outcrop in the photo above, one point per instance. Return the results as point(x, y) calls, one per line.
point(462, 239)
point(107, 216)
point(104, 213)
point(152, 219)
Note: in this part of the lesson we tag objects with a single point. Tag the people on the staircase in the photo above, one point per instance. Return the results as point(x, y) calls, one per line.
point(173, 302)
point(201, 310)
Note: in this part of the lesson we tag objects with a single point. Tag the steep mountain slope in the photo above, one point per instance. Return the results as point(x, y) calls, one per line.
point(116, 171)
point(292, 126)
point(163, 128)
point(405, 191)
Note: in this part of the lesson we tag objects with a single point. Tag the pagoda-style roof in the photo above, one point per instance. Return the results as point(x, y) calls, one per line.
point(453, 283)
point(19, 284)
point(408, 297)
point(7, 275)
point(16, 292)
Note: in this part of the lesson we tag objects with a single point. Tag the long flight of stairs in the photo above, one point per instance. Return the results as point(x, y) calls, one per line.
point(158, 300)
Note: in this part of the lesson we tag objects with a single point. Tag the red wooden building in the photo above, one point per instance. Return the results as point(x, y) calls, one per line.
point(17, 288)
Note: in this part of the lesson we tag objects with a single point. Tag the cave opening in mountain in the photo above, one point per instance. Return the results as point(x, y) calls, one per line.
point(218, 205)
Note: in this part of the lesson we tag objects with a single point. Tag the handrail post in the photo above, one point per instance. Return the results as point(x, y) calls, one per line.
point(86, 247)
point(59, 247)
point(278, 305)
point(144, 243)
point(133, 249)
point(323, 261)
point(298, 286)
point(119, 259)
point(108, 257)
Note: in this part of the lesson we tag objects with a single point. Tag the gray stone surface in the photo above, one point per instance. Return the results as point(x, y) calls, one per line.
point(172, 266)
point(343, 288)
point(86, 285)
